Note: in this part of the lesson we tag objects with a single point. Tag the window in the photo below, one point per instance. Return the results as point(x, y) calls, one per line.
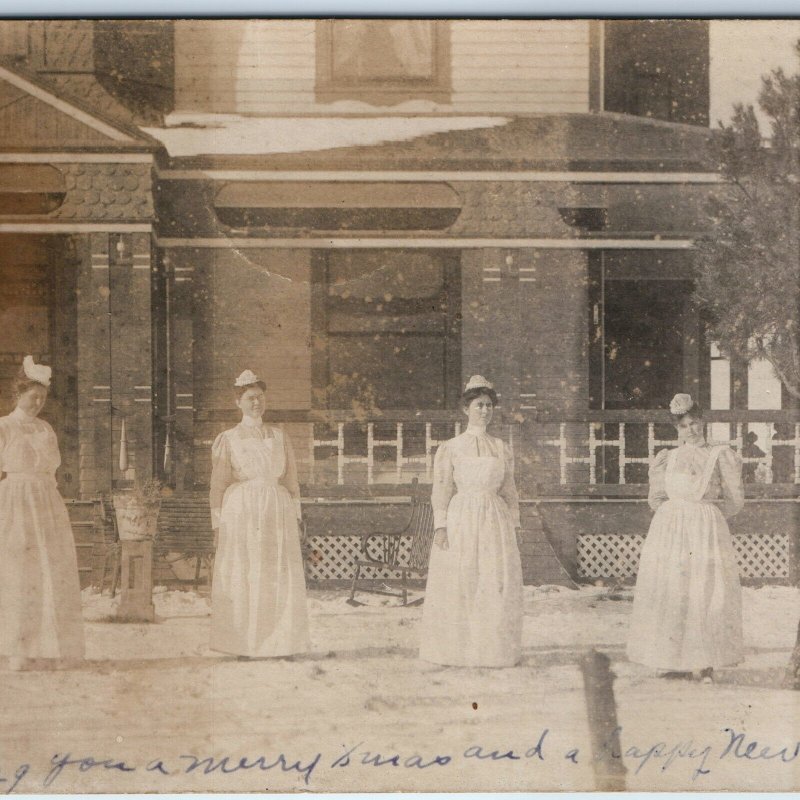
point(644, 347)
point(657, 69)
point(30, 189)
point(383, 62)
point(387, 330)
point(338, 206)
point(644, 330)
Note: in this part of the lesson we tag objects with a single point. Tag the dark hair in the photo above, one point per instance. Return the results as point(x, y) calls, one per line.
point(240, 390)
point(22, 383)
point(695, 411)
point(478, 391)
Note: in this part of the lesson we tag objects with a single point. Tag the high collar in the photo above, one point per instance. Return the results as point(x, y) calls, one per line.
point(22, 416)
point(697, 445)
point(476, 430)
point(252, 422)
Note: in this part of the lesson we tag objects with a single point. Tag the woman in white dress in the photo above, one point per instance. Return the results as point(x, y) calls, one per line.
point(258, 594)
point(473, 600)
point(687, 611)
point(40, 594)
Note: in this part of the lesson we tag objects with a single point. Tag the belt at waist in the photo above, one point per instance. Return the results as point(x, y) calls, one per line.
point(492, 492)
point(262, 481)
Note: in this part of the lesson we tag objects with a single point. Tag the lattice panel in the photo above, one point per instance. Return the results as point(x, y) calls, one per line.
point(616, 555)
point(333, 557)
point(763, 555)
point(609, 555)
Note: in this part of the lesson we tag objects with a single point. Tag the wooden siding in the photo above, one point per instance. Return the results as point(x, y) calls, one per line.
point(269, 67)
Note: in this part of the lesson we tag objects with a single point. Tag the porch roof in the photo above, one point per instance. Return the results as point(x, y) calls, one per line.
point(543, 142)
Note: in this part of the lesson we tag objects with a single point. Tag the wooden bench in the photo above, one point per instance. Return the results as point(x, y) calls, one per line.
point(184, 529)
point(385, 550)
point(87, 535)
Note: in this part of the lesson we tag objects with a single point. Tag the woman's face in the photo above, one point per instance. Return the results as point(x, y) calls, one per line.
point(252, 403)
point(690, 429)
point(480, 410)
point(32, 401)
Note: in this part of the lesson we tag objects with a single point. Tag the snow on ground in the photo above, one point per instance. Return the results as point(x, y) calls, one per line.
point(227, 134)
point(154, 695)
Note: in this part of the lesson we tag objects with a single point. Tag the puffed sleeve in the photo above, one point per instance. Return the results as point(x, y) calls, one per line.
point(508, 491)
point(289, 479)
point(730, 471)
point(656, 478)
point(443, 485)
point(221, 475)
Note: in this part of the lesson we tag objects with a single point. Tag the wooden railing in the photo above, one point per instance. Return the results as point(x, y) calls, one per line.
point(351, 448)
point(603, 447)
point(602, 450)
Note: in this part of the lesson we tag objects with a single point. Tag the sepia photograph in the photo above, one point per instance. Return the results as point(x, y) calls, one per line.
point(399, 405)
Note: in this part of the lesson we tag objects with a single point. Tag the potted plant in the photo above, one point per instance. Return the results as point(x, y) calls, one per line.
point(137, 511)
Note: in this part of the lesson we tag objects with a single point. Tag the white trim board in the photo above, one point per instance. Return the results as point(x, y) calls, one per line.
point(449, 243)
point(448, 175)
point(75, 227)
point(76, 158)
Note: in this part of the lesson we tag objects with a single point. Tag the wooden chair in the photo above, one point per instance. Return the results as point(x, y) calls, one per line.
point(384, 551)
point(109, 544)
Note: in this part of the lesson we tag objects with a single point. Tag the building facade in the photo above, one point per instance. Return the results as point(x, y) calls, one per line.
point(366, 213)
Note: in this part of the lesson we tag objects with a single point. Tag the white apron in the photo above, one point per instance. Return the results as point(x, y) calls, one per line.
point(40, 595)
point(687, 612)
point(473, 601)
point(258, 595)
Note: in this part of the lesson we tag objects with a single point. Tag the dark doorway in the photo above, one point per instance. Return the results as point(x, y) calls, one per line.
point(38, 316)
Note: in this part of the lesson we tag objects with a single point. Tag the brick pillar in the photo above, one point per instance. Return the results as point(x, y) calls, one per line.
point(490, 327)
point(94, 383)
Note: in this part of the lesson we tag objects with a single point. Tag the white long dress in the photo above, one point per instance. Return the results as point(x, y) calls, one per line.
point(40, 594)
point(258, 595)
point(473, 601)
point(687, 611)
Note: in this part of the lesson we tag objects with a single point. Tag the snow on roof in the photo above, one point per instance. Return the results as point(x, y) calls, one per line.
point(217, 134)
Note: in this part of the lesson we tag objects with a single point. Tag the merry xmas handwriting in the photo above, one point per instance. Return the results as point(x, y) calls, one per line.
point(736, 746)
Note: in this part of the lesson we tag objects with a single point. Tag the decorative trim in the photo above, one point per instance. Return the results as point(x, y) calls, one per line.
point(66, 108)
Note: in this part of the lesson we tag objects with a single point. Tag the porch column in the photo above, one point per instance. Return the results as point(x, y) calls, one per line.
point(94, 371)
point(114, 359)
point(180, 277)
point(131, 353)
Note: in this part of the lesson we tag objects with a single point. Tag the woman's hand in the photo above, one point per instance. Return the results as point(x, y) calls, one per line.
point(440, 539)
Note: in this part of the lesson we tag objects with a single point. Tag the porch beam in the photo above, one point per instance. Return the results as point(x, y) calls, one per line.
point(540, 176)
point(355, 243)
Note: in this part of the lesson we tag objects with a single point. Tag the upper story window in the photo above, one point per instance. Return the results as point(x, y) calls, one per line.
point(657, 69)
point(383, 62)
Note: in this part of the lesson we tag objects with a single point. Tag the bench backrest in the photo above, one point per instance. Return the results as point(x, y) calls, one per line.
point(184, 524)
point(422, 538)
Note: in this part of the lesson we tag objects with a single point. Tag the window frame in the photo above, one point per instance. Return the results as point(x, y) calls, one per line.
point(383, 92)
point(451, 335)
